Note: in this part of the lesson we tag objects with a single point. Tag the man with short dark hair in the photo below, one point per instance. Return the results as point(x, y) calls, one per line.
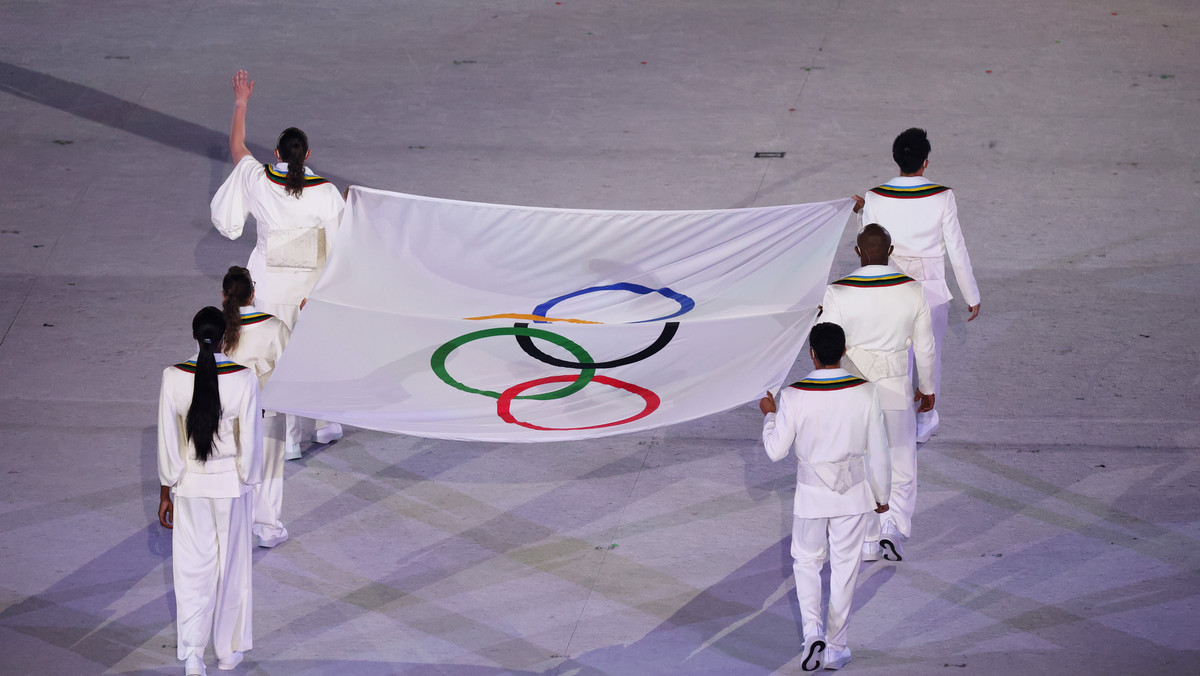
point(883, 312)
point(833, 421)
point(922, 218)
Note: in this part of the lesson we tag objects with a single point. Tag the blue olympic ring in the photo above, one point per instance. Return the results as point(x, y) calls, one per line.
point(685, 304)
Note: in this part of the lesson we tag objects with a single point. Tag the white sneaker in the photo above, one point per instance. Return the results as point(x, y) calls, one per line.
point(927, 425)
point(230, 663)
point(194, 665)
point(328, 434)
point(871, 551)
point(836, 658)
point(890, 541)
point(814, 650)
point(292, 452)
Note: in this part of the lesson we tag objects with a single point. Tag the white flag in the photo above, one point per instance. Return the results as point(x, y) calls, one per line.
point(460, 320)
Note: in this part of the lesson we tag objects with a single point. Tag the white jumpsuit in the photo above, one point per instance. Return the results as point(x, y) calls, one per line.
point(833, 421)
point(884, 314)
point(211, 542)
point(260, 345)
point(922, 218)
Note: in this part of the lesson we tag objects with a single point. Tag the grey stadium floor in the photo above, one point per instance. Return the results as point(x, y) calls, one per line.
point(1058, 529)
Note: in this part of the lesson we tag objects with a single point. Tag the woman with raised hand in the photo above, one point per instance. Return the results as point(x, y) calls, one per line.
point(209, 459)
point(297, 213)
point(256, 340)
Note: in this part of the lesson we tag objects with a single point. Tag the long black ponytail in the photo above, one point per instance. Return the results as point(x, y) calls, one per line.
point(208, 328)
point(293, 149)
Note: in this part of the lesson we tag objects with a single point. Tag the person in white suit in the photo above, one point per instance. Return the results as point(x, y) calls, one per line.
point(256, 339)
point(209, 459)
point(884, 314)
point(922, 218)
point(297, 213)
point(834, 423)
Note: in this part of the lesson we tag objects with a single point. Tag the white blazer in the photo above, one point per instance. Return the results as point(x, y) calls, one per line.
point(883, 313)
point(261, 344)
point(294, 233)
point(833, 421)
point(237, 455)
point(922, 218)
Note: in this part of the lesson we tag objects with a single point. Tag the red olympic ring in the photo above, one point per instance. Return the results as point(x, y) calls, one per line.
point(504, 403)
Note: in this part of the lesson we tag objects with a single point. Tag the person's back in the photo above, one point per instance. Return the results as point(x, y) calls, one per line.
point(209, 459)
point(833, 422)
point(261, 343)
point(922, 218)
point(221, 475)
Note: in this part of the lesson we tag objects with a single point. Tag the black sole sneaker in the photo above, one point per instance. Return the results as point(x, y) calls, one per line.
point(812, 661)
point(890, 551)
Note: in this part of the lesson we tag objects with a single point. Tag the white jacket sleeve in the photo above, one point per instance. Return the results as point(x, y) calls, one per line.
point(170, 435)
point(830, 312)
point(956, 250)
point(879, 463)
point(778, 432)
point(250, 450)
point(231, 204)
point(923, 347)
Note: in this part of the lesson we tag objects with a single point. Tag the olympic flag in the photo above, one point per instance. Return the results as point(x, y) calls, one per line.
point(460, 320)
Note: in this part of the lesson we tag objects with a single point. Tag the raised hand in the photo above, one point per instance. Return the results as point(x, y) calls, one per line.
point(243, 87)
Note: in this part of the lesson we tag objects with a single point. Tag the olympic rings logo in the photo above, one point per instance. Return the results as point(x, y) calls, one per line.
point(525, 336)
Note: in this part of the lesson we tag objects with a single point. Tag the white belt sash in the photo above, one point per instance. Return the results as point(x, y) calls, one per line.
point(878, 364)
point(836, 476)
point(930, 271)
point(214, 465)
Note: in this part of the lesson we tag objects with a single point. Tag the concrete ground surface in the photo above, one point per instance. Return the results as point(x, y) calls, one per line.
point(1058, 529)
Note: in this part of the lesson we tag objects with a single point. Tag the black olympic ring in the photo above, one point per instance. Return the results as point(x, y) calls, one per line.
point(526, 343)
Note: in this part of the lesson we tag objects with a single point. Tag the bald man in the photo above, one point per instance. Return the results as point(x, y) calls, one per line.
point(922, 218)
point(884, 313)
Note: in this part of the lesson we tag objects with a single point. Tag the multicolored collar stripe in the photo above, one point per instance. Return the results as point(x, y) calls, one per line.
point(908, 193)
point(280, 178)
point(864, 282)
point(255, 318)
point(222, 367)
point(818, 385)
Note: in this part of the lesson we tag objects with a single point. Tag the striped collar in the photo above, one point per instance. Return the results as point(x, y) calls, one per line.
point(252, 315)
point(909, 187)
point(825, 380)
point(875, 276)
point(282, 167)
point(223, 364)
point(279, 177)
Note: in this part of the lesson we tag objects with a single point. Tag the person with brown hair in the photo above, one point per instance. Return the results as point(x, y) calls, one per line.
point(256, 340)
point(297, 213)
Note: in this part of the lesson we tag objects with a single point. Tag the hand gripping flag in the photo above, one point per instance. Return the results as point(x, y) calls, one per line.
point(485, 322)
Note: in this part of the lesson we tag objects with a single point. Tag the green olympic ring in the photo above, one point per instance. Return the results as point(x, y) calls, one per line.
point(438, 361)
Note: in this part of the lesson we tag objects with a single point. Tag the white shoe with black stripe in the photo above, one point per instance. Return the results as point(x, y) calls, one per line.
point(890, 542)
point(814, 651)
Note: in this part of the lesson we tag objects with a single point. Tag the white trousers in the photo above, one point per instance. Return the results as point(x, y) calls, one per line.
point(268, 495)
point(839, 538)
point(902, 449)
point(210, 547)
